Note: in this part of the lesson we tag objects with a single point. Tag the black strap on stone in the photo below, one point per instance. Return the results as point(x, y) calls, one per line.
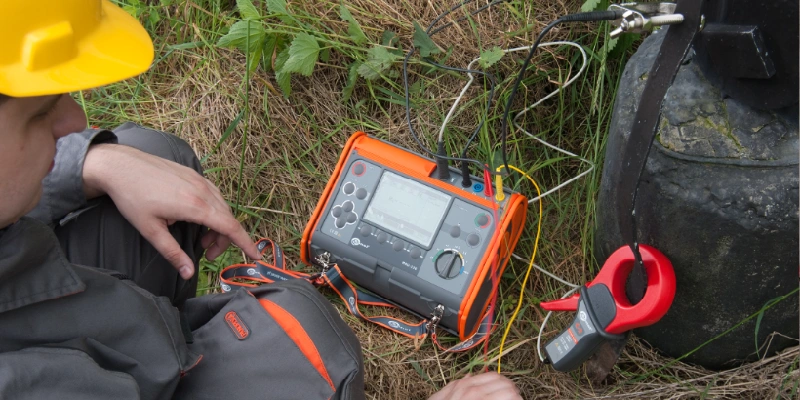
point(676, 44)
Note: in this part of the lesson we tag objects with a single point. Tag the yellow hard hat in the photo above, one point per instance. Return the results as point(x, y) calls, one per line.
point(60, 46)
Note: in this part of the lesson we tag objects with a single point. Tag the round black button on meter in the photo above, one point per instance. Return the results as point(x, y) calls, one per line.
point(455, 231)
point(365, 230)
point(382, 237)
point(448, 264)
point(416, 253)
point(349, 188)
point(397, 245)
point(340, 223)
point(351, 218)
point(361, 193)
point(358, 169)
point(473, 239)
point(336, 212)
point(482, 220)
point(347, 206)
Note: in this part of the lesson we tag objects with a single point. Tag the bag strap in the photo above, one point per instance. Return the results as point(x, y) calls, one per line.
point(353, 297)
point(243, 276)
point(237, 276)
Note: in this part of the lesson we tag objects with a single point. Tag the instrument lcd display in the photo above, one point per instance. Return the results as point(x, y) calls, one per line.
point(407, 208)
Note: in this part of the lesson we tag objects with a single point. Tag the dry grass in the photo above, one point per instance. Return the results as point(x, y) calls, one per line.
point(289, 147)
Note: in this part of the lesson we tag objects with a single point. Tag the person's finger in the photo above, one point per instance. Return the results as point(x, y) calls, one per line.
point(504, 394)
point(208, 239)
point(501, 389)
point(484, 385)
point(218, 247)
point(160, 238)
point(226, 225)
point(483, 378)
point(444, 393)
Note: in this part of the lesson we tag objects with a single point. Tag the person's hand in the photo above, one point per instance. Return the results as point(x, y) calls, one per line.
point(486, 386)
point(152, 193)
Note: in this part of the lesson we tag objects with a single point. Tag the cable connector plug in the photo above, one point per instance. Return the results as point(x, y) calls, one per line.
point(466, 180)
point(442, 166)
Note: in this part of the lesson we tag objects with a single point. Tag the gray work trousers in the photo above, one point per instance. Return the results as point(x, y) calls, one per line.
point(101, 237)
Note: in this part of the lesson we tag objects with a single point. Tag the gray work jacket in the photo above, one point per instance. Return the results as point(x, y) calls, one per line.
point(75, 332)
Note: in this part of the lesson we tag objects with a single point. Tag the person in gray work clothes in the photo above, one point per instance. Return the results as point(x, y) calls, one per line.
point(101, 233)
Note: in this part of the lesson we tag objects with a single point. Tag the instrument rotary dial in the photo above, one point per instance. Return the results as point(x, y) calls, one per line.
point(448, 263)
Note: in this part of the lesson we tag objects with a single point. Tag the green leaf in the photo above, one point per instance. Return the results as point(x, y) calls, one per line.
point(132, 10)
point(378, 60)
point(278, 7)
point(247, 9)
point(389, 38)
point(490, 57)
point(153, 17)
point(416, 88)
point(270, 45)
point(352, 77)
point(621, 45)
point(237, 36)
point(589, 5)
point(423, 42)
point(353, 28)
point(282, 77)
point(254, 58)
point(325, 54)
point(303, 55)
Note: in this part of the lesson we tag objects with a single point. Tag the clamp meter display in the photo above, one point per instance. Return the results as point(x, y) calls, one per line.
point(415, 240)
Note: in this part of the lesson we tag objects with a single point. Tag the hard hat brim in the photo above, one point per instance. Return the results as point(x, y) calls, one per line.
point(117, 48)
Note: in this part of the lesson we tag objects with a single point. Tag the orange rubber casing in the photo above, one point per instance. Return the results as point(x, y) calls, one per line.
point(511, 220)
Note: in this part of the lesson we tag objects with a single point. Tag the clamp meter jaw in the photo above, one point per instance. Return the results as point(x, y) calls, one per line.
point(603, 310)
point(417, 241)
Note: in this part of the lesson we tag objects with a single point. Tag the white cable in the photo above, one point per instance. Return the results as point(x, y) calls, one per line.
point(553, 93)
point(544, 323)
point(517, 126)
point(516, 117)
point(542, 270)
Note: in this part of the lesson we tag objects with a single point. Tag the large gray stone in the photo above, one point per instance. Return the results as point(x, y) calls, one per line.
point(719, 197)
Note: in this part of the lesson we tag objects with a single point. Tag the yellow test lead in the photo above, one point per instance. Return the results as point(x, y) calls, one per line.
point(498, 183)
point(530, 264)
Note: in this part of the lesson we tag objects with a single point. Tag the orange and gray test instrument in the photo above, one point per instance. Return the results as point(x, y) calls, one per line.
point(415, 240)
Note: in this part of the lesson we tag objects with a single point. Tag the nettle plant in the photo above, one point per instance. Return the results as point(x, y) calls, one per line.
point(287, 42)
point(284, 43)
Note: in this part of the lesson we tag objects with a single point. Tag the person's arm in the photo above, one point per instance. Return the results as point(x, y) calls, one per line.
point(43, 373)
point(152, 193)
point(63, 189)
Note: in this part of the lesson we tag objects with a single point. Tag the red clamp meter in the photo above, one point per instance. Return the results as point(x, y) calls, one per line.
point(603, 309)
point(422, 243)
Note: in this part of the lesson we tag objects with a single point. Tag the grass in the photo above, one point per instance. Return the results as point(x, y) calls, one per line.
point(271, 156)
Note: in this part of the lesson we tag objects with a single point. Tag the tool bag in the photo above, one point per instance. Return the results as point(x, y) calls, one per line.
point(250, 276)
point(276, 341)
